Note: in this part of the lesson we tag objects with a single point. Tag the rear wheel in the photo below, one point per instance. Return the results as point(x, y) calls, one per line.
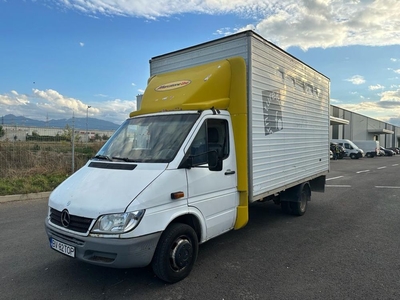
point(299, 207)
point(176, 253)
point(353, 156)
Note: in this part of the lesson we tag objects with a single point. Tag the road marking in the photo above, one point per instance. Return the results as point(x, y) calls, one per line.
point(334, 178)
point(387, 187)
point(337, 185)
point(363, 171)
point(395, 165)
point(382, 168)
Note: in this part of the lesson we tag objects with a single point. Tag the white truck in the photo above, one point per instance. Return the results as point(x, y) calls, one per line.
point(221, 125)
point(351, 149)
point(369, 147)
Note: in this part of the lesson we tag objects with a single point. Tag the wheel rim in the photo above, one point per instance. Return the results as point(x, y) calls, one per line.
point(181, 253)
point(303, 202)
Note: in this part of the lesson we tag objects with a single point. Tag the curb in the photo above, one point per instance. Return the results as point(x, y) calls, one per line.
point(24, 197)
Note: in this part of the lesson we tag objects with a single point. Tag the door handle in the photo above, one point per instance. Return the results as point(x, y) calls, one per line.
point(229, 172)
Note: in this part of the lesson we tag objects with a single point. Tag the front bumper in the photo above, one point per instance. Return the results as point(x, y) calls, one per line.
point(116, 253)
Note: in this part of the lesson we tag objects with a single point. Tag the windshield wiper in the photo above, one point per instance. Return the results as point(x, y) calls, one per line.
point(123, 158)
point(105, 157)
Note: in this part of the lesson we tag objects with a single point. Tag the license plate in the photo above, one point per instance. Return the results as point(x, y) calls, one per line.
point(63, 248)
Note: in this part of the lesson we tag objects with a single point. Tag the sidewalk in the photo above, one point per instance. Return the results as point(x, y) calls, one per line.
point(24, 197)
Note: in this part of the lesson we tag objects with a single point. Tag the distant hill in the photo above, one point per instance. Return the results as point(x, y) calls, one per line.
point(79, 123)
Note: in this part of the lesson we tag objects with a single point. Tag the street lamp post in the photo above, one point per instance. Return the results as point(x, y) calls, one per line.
point(87, 129)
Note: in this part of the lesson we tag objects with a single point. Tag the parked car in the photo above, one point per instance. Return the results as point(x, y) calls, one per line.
point(341, 152)
point(330, 154)
point(351, 149)
point(381, 152)
point(395, 150)
point(388, 152)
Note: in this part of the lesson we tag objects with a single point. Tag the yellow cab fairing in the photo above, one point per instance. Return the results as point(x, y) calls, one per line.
point(219, 85)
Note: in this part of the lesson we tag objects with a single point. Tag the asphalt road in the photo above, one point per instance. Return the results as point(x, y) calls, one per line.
point(345, 247)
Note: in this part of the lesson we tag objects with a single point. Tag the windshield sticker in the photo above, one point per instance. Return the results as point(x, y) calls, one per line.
point(172, 85)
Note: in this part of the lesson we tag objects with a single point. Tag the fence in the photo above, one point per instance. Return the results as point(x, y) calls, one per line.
point(31, 155)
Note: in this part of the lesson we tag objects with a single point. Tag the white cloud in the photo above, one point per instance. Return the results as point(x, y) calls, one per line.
point(356, 79)
point(81, 44)
point(394, 59)
point(335, 101)
point(303, 23)
point(376, 87)
point(397, 71)
point(43, 103)
point(391, 96)
point(387, 108)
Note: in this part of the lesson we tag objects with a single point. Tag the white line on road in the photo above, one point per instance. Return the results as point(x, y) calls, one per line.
point(337, 185)
point(387, 187)
point(334, 178)
point(363, 171)
point(395, 165)
point(382, 168)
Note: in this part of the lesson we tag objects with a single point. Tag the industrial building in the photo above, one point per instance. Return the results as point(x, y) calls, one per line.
point(349, 125)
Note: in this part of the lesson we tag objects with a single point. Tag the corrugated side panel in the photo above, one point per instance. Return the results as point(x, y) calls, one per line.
point(215, 50)
point(290, 120)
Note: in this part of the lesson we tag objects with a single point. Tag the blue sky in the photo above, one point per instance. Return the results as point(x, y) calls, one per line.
point(60, 56)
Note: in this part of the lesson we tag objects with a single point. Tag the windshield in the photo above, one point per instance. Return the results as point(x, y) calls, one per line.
point(148, 138)
point(353, 145)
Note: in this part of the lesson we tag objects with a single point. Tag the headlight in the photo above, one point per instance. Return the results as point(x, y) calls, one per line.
point(118, 223)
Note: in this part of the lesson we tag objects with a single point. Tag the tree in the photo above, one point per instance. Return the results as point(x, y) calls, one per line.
point(68, 134)
point(2, 132)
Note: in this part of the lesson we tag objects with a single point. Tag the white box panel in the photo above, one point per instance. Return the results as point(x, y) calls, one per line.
point(288, 109)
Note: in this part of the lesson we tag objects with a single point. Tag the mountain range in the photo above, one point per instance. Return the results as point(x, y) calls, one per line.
point(79, 123)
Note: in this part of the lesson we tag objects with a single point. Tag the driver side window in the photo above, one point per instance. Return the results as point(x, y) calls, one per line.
point(212, 136)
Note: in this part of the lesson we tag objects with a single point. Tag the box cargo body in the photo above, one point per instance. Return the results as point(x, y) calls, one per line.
point(370, 147)
point(288, 102)
point(220, 125)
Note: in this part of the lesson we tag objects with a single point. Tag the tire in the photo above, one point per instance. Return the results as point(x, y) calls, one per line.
point(176, 253)
point(369, 155)
point(353, 156)
point(299, 207)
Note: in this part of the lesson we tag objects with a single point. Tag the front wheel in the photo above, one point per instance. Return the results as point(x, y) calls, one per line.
point(353, 156)
point(176, 253)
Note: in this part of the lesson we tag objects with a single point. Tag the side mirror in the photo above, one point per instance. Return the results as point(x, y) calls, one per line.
point(214, 161)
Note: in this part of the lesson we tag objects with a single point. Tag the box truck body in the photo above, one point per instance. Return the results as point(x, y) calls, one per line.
point(370, 147)
point(221, 125)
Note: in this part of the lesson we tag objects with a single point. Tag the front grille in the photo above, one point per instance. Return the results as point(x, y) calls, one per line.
point(66, 238)
point(78, 224)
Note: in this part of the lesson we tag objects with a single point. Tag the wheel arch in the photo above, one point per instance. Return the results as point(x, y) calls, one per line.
point(191, 220)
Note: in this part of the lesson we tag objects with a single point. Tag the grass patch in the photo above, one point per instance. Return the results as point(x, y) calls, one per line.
point(30, 184)
point(32, 167)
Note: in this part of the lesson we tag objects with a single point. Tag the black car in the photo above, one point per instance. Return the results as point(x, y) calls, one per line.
point(388, 152)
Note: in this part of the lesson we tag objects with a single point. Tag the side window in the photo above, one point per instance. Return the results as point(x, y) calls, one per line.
point(212, 136)
point(217, 131)
point(198, 149)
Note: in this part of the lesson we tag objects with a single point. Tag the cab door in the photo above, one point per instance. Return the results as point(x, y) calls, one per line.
point(214, 193)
